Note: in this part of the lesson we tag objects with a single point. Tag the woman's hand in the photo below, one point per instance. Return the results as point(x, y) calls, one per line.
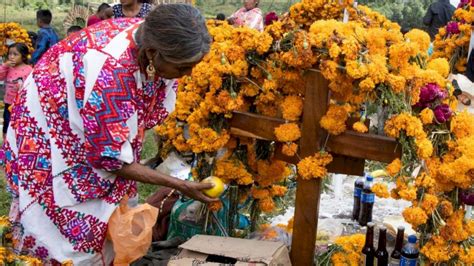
point(144, 174)
point(194, 190)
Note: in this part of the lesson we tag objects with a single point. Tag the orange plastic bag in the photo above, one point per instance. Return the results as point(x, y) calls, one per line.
point(130, 230)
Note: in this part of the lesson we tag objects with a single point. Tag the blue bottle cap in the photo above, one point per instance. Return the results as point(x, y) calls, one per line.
point(412, 239)
point(370, 178)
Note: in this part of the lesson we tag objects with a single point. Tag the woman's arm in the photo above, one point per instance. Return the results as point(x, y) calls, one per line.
point(141, 173)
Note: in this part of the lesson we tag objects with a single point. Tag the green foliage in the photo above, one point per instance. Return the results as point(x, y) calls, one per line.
point(409, 14)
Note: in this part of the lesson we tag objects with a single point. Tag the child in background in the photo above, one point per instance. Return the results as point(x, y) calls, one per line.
point(103, 12)
point(47, 37)
point(14, 72)
point(73, 29)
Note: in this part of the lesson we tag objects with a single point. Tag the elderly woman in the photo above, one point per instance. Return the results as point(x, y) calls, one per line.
point(78, 124)
point(131, 9)
point(249, 15)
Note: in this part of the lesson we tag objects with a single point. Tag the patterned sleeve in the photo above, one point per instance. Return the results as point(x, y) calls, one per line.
point(108, 115)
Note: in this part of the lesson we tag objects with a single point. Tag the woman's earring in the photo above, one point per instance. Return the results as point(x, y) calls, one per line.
point(150, 71)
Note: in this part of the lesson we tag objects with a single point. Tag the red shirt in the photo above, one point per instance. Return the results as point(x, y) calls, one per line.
point(93, 20)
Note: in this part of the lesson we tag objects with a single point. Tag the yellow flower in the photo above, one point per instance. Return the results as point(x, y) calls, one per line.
point(287, 132)
point(394, 167)
point(429, 203)
point(437, 249)
point(415, 216)
point(408, 194)
point(314, 166)
point(381, 190)
point(360, 127)
point(439, 65)
point(419, 37)
point(334, 121)
point(397, 83)
point(292, 107)
point(259, 193)
point(462, 124)
point(266, 204)
point(467, 256)
point(289, 149)
point(455, 228)
point(426, 116)
point(278, 191)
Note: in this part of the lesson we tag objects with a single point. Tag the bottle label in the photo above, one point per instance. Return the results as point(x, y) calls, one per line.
point(364, 259)
point(407, 262)
point(357, 192)
point(368, 197)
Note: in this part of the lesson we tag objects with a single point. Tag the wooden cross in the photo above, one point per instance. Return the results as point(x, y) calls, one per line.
point(349, 150)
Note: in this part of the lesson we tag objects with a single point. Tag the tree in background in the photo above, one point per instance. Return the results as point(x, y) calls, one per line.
point(408, 13)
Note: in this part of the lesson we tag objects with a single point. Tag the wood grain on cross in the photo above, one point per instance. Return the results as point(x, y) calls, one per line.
point(349, 149)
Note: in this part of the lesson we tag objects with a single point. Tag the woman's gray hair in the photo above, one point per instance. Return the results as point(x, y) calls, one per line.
point(178, 32)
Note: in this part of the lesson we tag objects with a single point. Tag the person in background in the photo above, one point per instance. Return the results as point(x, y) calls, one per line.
point(270, 18)
point(249, 15)
point(14, 71)
point(73, 148)
point(103, 12)
point(73, 29)
point(33, 37)
point(438, 15)
point(47, 37)
point(131, 9)
point(220, 16)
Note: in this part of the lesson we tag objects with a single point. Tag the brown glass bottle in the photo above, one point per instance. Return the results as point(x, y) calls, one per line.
point(397, 252)
point(381, 255)
point(368, 252)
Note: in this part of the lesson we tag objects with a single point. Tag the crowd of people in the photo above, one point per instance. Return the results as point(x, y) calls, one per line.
point(78, 114)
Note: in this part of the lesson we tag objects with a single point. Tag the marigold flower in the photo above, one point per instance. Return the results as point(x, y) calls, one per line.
point(288, 132)
point(429, 203)
point(334, 121)
point(266, 204)
point(408, 194)
point(440, 65)
point(415, 216)
point(381, 190)
point(289, 149)
point(394, 167)
point(314, 166)
point(426, 116)
point(278, 191)
point(292, 107)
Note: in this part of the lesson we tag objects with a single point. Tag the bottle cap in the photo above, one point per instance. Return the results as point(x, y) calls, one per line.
point(412, 239)
point(370, 178)
point(371, 224)
point(382, 228)
point(401, 228)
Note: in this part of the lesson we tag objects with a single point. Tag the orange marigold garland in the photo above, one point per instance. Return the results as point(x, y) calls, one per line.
point(314, 166)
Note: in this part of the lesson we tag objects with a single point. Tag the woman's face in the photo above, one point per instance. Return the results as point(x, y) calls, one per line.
point(250, 4)
point(15, 56)
point(170, 70)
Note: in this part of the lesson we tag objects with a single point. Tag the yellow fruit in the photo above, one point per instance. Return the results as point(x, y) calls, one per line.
point(378, 173)
point(218, 188)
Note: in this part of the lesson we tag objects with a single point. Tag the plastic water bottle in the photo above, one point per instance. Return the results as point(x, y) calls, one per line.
point(367, 202)
point(410, 253)
point(358, 186)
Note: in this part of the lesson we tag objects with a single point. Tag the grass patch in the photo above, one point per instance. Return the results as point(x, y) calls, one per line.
point(5, 197)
